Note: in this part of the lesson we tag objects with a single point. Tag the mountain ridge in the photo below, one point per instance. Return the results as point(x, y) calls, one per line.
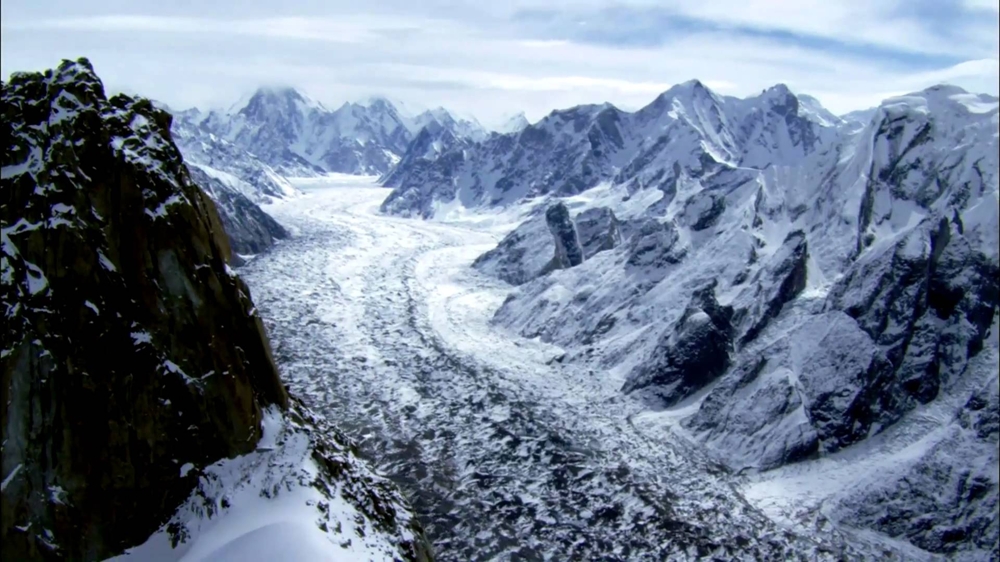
point(298, 136)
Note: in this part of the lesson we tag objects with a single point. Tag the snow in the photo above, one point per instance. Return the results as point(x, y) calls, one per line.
point(141, 337)
point(161, 209)
point(10, 477)
point(91, 306)
point(263, 506)
point(31, 163)
point(172, 367)
point(976, 103)
point(105, 262)
point(37, 282)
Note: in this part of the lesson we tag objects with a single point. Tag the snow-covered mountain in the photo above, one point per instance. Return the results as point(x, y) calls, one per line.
point(816, 302)
point(575, 149)
point(298, 136)
point(236, 180)
point(469, 128)
point(513, 124)
point(142, 413)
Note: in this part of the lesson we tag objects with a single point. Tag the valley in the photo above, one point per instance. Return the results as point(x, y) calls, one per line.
point(504, 452)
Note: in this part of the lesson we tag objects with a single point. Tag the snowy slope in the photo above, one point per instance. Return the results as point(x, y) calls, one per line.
point(844, 279)
point(237, 168)
point(298, 136)
point(513, 124)
point(302, 495)
point(469, 129)
point(687, 131)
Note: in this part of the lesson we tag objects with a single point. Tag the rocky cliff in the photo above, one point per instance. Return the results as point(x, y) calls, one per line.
point(133, 358)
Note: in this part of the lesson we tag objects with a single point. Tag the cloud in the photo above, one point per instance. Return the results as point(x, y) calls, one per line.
point(333, 30)
point(493, 59)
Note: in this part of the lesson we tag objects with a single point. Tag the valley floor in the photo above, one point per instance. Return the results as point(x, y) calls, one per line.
point(505, 453)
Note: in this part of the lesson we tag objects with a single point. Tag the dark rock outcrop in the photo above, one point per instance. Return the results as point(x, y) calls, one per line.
point(653, 247)
point(524, 254)
point(598, 230)
point(928, 302)
point(692, 353)
point(112, 247)
point(777, 284)
point(250, 230)
point(568, 252)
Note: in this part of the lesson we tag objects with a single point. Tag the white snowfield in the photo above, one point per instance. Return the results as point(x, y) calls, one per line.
point(504, 452)
point(267, 506)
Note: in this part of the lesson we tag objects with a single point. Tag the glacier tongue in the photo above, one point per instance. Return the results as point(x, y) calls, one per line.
point(505, 448)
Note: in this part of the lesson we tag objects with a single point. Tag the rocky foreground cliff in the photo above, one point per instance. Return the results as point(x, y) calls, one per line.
point(140, 404)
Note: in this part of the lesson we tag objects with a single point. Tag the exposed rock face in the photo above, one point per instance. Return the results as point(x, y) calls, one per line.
point(843, 394)
point(524, 254)
point(692, 353)
point(568, 252)
point(531, 249)
point(686, 131)
point(565, 153)
point(224, 161)
point(432, 143)
point(928, 301)
point(132, 355)
point(598, 230)
point(780, 282)
point(653, 246)
point(110, 246)
point(236, 180)
point(250, 230)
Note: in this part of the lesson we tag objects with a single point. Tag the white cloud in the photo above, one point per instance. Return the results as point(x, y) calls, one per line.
point(478, 62)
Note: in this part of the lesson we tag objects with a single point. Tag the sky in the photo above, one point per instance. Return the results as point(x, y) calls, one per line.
point(494, 59)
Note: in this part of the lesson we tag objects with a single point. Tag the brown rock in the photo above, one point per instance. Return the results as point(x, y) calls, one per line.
point(128, 346)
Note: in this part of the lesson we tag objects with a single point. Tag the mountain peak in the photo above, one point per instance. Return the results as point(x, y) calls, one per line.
point(942, 98)
point(514, 123)
point(280, 98)
point(691, 90)
point(380, 103)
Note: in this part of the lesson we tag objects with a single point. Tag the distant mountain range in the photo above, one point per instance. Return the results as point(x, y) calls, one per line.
point(241, 157)
point(298, 136)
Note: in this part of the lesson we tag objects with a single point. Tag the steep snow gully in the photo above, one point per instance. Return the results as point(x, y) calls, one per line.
point(505, 453)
